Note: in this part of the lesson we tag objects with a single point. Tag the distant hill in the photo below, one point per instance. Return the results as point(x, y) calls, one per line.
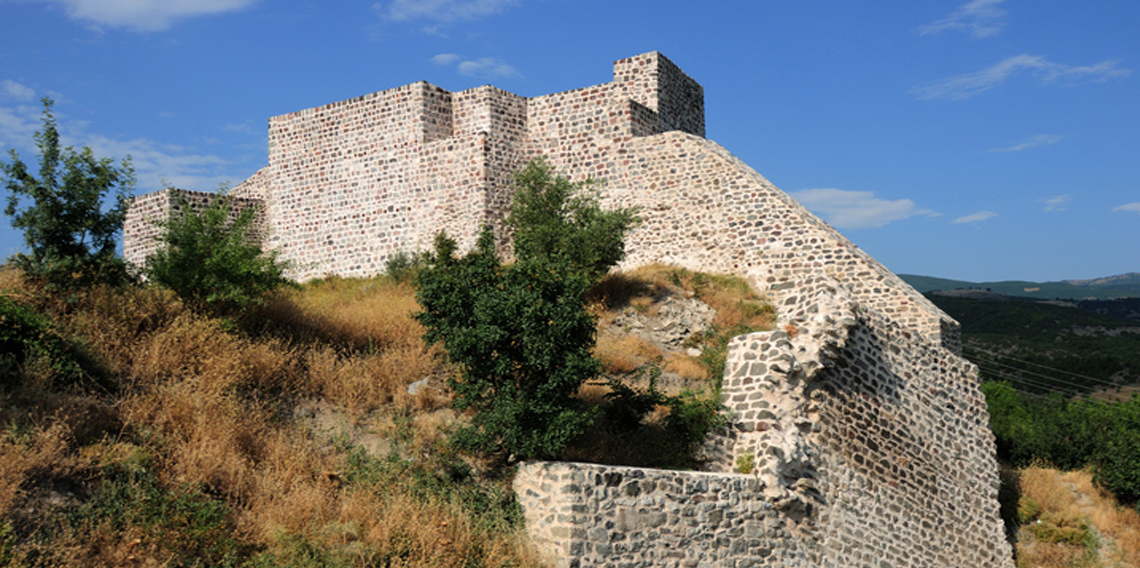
point(1121, 286)
point(1040, 346)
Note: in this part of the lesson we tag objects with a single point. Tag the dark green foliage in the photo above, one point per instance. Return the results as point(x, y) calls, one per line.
point(1069, 434)
point(1042, 348)
point(490, 507)
point(70, 237)
point(25, 335)
point(403, 266)
point(692, 416)
point(211, 260)
point(522, 339)
point(192, 526)
point(560, 222)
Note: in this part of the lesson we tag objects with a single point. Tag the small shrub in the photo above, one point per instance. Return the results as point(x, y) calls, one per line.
point(210, 259)
point(403, 266)
point(27, 336)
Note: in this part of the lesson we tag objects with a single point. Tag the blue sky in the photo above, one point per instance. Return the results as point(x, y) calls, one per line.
point(980, 140)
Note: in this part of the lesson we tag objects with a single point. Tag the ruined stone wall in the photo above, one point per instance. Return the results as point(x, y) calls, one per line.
point(853, 423)
point(597, 515)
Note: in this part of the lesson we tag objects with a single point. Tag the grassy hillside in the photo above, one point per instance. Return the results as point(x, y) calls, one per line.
point(136, 432)
point(1046, 348)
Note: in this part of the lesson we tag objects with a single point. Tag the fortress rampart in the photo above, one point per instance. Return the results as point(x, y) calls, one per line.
point(868, 432)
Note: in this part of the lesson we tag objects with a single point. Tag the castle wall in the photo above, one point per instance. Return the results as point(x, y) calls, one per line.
point(867, 432)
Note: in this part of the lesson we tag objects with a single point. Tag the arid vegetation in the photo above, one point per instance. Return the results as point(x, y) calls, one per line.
point(1065, 520)
point(139, 432)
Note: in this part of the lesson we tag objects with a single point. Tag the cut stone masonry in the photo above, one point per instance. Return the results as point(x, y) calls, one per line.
point(867, 432)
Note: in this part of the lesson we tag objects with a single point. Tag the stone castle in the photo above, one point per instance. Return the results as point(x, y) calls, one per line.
point(867, 431)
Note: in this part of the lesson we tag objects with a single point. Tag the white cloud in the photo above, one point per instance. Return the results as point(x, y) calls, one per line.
point(1057, 202)
point(975, 217)
point(441, 10)
point(16, 91)
point(152, 160)
point(856, 209)
point(1039, 140)
point(17, 126)
point(970, 84)
point(145, 15)
point(1129, 207)
point(486, 67)
point(445, 59)
point(980, 18)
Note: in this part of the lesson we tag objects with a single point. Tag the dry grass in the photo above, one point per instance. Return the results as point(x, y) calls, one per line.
point(621, 354)
point(688, 368)
point(199, 411)
point(202, 407)
point(735, 301)
point(1070, 522)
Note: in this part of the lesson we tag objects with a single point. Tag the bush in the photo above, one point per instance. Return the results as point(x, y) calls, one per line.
point(211, 260)
point(1069, 435)
point(26, 335)
point(403, 266)
point(522, 339)
point(557, 221)
point(70, 237)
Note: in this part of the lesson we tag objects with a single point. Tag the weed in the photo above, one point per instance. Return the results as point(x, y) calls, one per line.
point(745, 462)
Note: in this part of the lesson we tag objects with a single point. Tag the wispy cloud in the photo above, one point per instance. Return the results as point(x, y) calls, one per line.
point(857, 209)
point(1039, 140)
point(153, 161)
point(486, 67)
point(1048, 72)
point(975, 217)
point(445, 59)
point(980, 18)
point(145, 15)
point(15, 91)
point(1129, 207)
point(441, 10)
point(1057, 202)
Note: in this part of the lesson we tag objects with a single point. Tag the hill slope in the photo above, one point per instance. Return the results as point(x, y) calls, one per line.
point(1121, 286)
point(1042, 347)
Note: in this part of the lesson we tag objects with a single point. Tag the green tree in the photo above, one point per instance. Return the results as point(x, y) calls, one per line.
point(70, 231)
point(522, 338)
point(211, 259)
point(555, 220)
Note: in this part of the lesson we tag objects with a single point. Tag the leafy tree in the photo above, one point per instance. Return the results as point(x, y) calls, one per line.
point(521, 336)
point(71, 238)
point(211, 259)
point(555, 220)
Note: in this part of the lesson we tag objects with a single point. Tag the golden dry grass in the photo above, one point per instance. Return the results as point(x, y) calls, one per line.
point(622, 354)
point(1063, 502)
point(204, 406)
